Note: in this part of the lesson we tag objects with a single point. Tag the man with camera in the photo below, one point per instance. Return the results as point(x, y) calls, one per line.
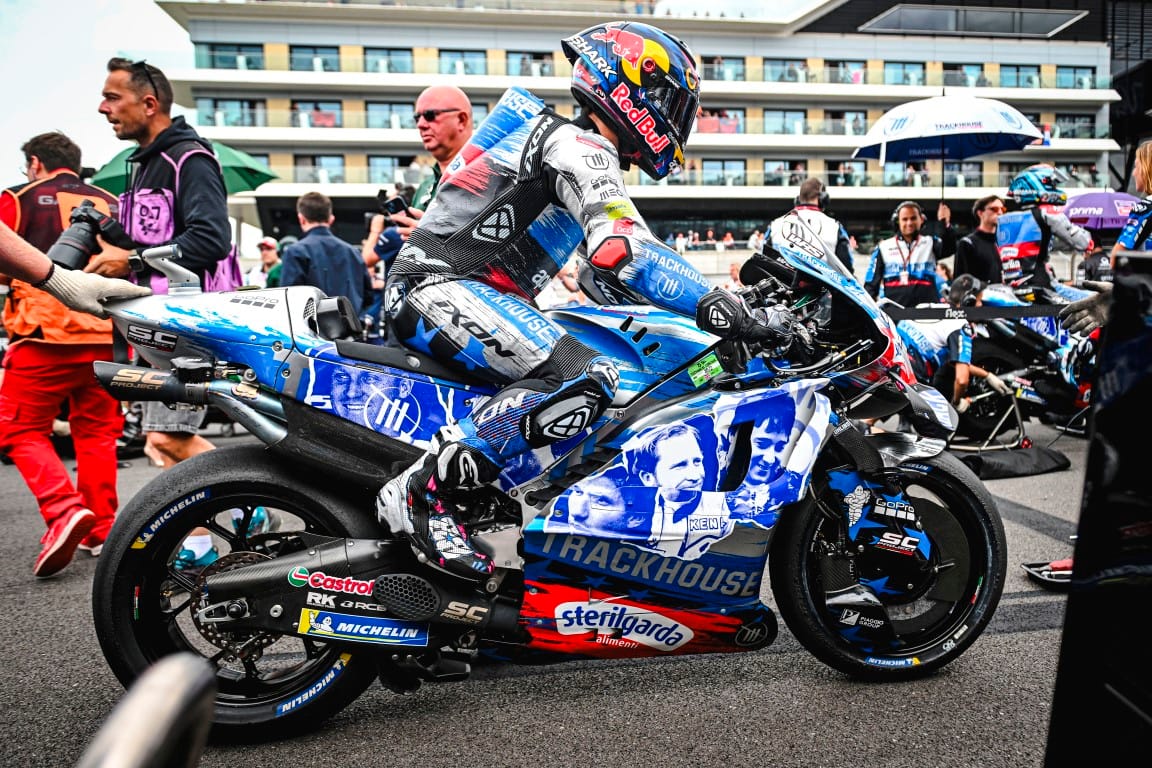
point(176, 195)
point(49, 361)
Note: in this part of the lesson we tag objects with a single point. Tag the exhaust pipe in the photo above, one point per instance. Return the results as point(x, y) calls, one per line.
point(134, 382)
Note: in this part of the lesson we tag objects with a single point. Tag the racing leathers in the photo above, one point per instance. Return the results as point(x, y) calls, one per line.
point(1138, 228)
point(1023, 239)
point(460, 290)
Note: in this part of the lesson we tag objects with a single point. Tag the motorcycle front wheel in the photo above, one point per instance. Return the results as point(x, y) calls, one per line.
point(145, 589)
point(951, 604)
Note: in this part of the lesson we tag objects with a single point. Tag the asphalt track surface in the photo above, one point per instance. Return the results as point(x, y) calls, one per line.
point(776, 707)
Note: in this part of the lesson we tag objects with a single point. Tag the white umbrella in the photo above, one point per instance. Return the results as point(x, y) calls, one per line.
point(948, 128)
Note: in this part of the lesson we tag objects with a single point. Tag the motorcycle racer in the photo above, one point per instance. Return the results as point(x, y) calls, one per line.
point(500, 228)
point(1023, 237)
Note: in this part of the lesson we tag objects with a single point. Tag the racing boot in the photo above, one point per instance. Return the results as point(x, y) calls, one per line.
point(421, 503)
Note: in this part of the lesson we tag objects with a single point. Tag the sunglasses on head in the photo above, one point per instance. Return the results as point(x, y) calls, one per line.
point(430, 115)
point(142, 65)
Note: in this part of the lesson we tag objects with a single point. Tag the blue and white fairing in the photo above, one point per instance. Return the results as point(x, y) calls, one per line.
point(250, 328)
point(706, 488)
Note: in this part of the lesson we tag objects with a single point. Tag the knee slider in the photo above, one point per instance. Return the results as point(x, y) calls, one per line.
point(588, 383)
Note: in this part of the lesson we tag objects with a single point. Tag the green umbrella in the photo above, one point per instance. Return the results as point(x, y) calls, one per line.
point(242, 172)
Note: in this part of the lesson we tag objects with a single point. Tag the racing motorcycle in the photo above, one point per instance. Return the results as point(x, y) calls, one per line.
point(885, 555)
point(1048, 368)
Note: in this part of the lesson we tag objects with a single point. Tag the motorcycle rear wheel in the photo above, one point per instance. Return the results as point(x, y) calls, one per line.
point(933, 632)
point(143, 604)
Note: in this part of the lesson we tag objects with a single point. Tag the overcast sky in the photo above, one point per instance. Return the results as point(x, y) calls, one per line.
point(54, 54)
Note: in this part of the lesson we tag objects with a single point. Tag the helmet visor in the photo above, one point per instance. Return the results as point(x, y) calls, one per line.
point(678, 105)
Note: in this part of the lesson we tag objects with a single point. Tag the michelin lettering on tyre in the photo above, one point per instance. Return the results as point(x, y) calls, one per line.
point(158, 522)
point(316, 689)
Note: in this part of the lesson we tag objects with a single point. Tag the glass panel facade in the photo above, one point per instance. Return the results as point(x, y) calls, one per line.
point(784, 70)
point(463, 63)
point(318, 114)
point(250, 113)
point(229, 56)
point(388, 60)
point(394, 115)
point(312, 58)
point(529, 64)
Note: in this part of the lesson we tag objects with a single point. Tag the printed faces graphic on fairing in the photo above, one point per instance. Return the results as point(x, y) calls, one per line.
point(662, 493)
point(408, 408)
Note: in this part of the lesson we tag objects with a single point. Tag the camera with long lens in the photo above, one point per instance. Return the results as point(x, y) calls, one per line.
point(76, 244)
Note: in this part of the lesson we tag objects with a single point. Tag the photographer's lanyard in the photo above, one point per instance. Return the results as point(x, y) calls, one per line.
point(904, 273)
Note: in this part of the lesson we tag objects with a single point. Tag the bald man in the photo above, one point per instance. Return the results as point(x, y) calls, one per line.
point(444, 119)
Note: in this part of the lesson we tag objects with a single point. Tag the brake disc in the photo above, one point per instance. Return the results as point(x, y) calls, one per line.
point(243, 645)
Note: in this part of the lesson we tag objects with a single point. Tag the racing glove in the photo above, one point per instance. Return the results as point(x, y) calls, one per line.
point(997, 384)
point(85, 291)
point(728, 316)
point(1088, 314)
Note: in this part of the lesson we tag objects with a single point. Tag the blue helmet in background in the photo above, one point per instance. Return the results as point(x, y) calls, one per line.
point(644, 83)
point(1037, 184)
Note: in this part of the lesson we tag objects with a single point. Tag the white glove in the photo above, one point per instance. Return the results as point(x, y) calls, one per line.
point(1086, 315)
point(997, 384)
point(85, 291)
point(963, 405)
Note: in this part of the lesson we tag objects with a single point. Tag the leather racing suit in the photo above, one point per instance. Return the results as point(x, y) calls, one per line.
point(497, 232)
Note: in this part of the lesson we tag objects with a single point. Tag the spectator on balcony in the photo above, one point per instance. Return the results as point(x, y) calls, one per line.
point(857, 126)
point(799, 173)
point(983, 81)
point(791, 74)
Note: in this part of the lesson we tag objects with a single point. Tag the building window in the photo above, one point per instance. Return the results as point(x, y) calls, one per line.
point(312, 58)
point(1075, 77)
point(1009, 171)
point(780, 172)
point(319, 169)
point(846, 72)
point(781, 121)
point(394, 115)
point(249, 113)
point(1019, 76)
point(784, 71)
point(383, 169)
point(463, 63)
point(318, 114)
point(727, 120)
point(724, 68)
point(845, 173)
point(480, 111)
point(984, 21)
point(723, 172)
point(903, 73)
point(906, 174)
point(967, 174)
point(1071, 126)
point(529, 64)
point(963, 75)
point(229, 56)
point(388, 60)
point(846, 123)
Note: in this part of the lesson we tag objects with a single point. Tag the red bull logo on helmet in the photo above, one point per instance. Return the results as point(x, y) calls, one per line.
point(627, 45)
point(644, 122)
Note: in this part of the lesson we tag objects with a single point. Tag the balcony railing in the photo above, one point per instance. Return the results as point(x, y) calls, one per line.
point(708, 124)
point(499, 65)
point(306, 174)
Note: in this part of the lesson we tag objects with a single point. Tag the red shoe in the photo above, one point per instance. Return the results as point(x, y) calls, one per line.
point(59, 544)
point(92, 544)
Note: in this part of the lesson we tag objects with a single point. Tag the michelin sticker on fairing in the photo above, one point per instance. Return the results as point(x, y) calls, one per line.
point(162, 519)
point(361, 629)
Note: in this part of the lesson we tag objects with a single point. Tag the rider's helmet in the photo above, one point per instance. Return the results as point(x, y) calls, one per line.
point(964, 291)
point(1037, 185)
point(643, 83)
